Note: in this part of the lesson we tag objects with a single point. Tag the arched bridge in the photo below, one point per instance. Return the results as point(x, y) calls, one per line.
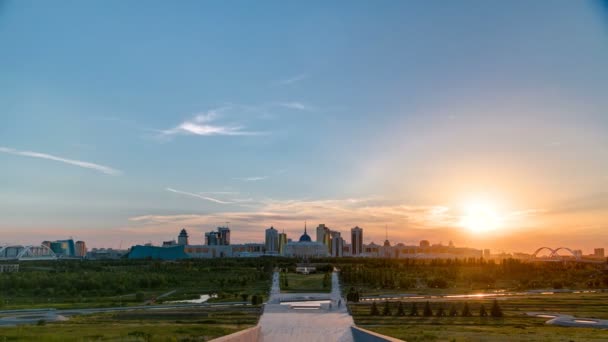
point(23, 253)
point(553, 252)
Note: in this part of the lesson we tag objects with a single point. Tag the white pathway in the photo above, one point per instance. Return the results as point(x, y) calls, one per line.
point(328, 323)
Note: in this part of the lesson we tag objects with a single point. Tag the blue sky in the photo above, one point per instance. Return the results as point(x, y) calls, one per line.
point(268, 113)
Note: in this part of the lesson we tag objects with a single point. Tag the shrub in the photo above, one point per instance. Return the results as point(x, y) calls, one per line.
point(496, 311)
point(387, 310)
point(482, 311)
point(466, 311)
point(374, 310)
point(400, 310)
point(427, 309)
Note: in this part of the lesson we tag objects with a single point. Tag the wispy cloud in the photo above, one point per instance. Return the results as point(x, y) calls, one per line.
point(206, 198)
point(291, 80)
point(295, 105)
point(87, 165)
point(202, 124)
point(251, 179)
point(220, 192)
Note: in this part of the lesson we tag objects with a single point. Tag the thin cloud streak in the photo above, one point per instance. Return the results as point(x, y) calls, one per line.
point(87, 165)
point(201, 124)
point(251, 179)
point(197, 196)
point(291, 80)
point(295, 105)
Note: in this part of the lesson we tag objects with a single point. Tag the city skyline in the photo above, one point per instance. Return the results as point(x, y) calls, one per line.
point(426, 117)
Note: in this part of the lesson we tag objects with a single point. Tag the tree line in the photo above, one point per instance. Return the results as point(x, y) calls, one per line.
point(495, 310)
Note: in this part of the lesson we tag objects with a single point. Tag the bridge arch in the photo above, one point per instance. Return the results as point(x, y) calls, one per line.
point(551, 251)
point(554, 254)
point(31, 252)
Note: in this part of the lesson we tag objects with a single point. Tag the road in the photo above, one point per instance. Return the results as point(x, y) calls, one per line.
point(319, 323)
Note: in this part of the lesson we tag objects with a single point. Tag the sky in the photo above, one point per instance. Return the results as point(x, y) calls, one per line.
point(122, 122)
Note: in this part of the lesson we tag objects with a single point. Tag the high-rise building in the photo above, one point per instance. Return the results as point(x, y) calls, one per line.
point(282, 243)
point(182, 238)
point(272, 240)
point(81, 249)
point(324, 236)
point(337, 244)
point(223, 236)
point(63, 248)
point(356, 238)
point(598, 252)
point(212, 239)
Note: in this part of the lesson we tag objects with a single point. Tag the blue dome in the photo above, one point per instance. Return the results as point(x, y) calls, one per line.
point(304, 238)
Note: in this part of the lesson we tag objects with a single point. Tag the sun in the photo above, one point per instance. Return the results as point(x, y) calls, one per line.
point(480, 217)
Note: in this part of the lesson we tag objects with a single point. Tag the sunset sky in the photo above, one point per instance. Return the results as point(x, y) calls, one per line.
point(122, 122)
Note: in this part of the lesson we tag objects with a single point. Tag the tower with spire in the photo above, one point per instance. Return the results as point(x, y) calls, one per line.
point(305, 237)
point(386, 242)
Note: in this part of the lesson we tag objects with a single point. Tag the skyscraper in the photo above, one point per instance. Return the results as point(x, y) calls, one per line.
point(81, 249)
point(211, 238)
point(282, 243)
point(324, 236)
point(356, 238)
point(272, 240)
point(224, 236)
point(337, 244)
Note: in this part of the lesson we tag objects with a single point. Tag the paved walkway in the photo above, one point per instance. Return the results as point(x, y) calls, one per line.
point(327, 323)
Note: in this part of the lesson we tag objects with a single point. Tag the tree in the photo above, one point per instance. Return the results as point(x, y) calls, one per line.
point(414, 311)
point(244, 296)
point(440, 311)
point(466, 311)
point(400, 310)
point(496, 311)
point(427, 309)
point(326, 281)
point(387, 310)
point(139, 296)
point(482, 311)
point(453, 311)
point(374, 310)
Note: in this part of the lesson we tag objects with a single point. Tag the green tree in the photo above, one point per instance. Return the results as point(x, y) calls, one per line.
point(440, 311)
point(326, 281)
point(496, 311)
point(374, 310)
point(139, 296)
point(400, 310)
point(414, 311)
point(482, 311)
point(387, 310)
point(427, 312)
point(466, 311)
point(453, 311)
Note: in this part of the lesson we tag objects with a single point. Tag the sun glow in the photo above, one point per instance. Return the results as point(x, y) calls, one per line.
point(480, 217)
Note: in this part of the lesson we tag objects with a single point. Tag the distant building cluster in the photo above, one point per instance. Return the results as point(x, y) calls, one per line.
point(327, 243)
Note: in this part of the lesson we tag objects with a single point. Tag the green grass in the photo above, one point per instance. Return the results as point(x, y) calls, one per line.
point(167, 325)
point(305, 283)
point(514, 326)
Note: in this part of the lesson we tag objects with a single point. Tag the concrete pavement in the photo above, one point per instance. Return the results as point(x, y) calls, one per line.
point(325, 322)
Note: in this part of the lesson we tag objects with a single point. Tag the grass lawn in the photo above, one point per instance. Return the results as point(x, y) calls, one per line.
point(157, 325)
point(514, 326)
point(305, 283)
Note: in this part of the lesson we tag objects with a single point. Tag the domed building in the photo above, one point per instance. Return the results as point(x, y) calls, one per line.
point(305, 247)
point(305, 237)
